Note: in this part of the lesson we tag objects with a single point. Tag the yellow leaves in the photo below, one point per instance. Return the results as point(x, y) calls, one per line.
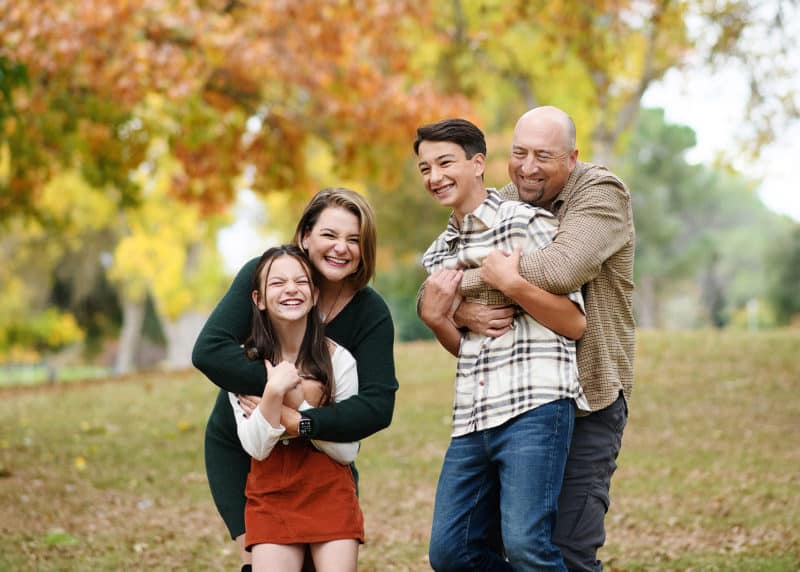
point(80, 463)
point(76, 205)
point(5, 163)
point(185, 426)
point(154, 256)
point(60, 329)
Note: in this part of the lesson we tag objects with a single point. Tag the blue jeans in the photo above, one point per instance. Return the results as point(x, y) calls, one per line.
point(519, 465)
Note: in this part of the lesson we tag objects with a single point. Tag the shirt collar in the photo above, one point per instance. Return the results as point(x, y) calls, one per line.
point(483, 215)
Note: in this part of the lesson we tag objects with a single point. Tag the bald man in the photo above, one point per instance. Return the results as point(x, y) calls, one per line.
point(592, 250)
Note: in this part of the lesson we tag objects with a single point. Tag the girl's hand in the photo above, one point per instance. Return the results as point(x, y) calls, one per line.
point(281, 378)
point(248, 403)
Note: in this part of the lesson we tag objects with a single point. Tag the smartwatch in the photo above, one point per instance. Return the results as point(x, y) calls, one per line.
point(304, 427)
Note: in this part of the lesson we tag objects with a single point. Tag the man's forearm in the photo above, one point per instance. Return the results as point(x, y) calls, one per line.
point(557, 313)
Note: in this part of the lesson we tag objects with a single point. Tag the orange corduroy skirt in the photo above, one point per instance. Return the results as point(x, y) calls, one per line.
point(300, 495)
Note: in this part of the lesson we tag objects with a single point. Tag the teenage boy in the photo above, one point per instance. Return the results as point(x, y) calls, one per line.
point(515, 395)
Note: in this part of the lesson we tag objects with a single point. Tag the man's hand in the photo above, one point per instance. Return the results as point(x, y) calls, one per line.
point(492, 321)
point(439, 299)
point(500, 270)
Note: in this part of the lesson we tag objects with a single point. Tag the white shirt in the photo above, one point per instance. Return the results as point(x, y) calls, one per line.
point(258, 437)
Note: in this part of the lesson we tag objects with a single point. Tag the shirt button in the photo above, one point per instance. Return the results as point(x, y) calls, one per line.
point(480, 382)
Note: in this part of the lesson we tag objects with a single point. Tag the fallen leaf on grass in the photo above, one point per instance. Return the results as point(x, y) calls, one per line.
point(58, 537)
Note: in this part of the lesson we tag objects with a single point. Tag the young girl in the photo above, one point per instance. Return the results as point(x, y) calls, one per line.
point(299, 493)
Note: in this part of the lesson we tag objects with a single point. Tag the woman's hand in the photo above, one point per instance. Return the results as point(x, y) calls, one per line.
point(248, 403)
point(313, 390)
point(294, 397)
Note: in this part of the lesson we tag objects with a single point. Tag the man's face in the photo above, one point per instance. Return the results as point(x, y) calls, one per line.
point(541, 160)
point(450, 177)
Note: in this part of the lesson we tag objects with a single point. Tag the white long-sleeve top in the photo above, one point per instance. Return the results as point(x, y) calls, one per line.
point(258, 437)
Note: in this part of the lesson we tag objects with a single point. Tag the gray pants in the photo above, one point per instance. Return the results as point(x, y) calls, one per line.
point(584, 500)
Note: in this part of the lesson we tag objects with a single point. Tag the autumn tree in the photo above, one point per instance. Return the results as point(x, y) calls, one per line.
point(597, 59)
point(241, 86)
point(702, 234)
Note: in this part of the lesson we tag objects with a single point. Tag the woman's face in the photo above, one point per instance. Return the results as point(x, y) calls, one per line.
point(333, 244)
point(287, 293)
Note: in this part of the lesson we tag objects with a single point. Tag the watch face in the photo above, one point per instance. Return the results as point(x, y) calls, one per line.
point(305, 427)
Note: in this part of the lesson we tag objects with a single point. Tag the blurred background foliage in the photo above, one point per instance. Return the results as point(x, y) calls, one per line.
point(128, 131)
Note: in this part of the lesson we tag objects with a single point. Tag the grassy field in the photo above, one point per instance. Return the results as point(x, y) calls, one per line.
point(109, 475)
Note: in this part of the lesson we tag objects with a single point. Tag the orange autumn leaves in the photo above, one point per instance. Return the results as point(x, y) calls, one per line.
point(335, 71)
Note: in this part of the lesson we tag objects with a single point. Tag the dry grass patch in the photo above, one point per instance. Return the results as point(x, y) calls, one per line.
point(110, 475)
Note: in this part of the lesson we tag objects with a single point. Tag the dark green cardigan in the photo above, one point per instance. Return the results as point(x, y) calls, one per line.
point(364, 327)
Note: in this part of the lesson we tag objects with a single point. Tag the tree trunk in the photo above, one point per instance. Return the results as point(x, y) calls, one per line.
point(181, 335)
point(645, 303)
point(182, 332)
point(130, 336)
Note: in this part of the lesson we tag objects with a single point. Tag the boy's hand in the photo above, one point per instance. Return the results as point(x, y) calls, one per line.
point(440, 298)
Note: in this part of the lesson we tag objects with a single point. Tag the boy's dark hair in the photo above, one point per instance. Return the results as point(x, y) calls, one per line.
point(458, 131)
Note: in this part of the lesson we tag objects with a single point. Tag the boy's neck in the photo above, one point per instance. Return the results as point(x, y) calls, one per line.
point(477, 194)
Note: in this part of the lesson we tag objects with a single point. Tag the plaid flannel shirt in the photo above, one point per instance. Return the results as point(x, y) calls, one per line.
point(593, 251)
point(498, 379)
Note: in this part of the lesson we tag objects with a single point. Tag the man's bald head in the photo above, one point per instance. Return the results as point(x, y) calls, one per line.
point(543, 154)
point(553, 116)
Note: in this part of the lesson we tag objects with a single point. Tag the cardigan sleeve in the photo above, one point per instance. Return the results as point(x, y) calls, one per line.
point(218, 352)
point(346, 376)
point(372, 346)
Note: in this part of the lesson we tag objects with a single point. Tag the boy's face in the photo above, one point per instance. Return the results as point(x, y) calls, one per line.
point(450, 177)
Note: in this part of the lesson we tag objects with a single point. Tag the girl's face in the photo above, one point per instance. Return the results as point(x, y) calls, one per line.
point(333, 244)
point(287, 293)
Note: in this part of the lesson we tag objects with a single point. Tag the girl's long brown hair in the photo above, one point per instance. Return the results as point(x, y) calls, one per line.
point(314, 359)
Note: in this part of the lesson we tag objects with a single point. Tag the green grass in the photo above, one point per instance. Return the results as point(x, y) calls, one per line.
point(109, 475)
point(39, 374)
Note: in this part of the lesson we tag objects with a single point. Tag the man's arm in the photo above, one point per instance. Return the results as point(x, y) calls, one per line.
point(595, 226)
point(558, 313)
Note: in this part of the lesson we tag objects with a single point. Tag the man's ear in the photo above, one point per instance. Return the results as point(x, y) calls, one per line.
point(573, 159)
point(257, 300)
